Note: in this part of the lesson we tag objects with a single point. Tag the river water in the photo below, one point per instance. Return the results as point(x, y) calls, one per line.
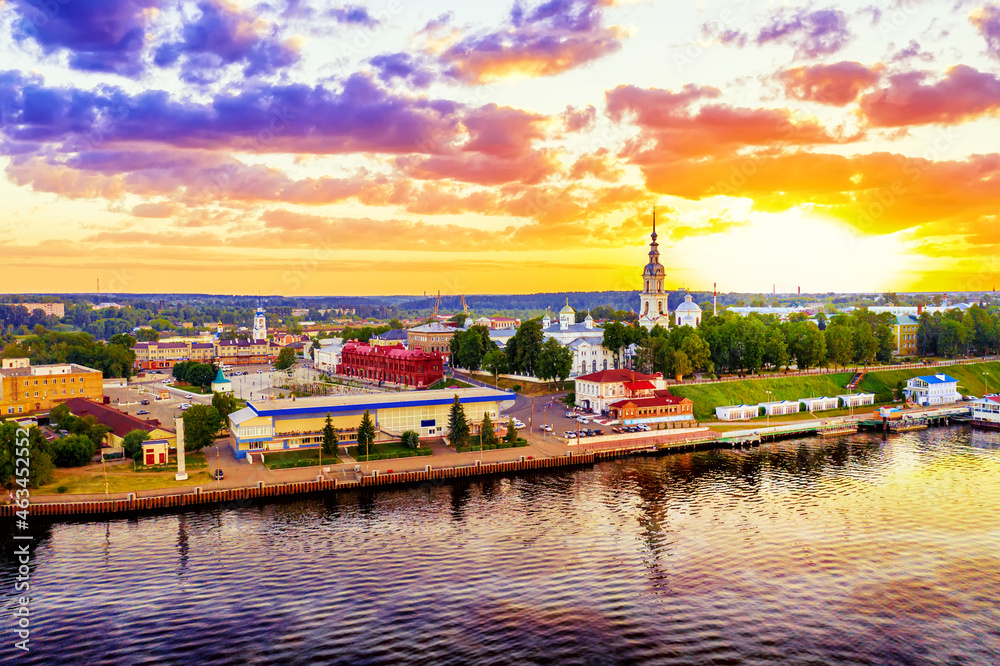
point(812, 551)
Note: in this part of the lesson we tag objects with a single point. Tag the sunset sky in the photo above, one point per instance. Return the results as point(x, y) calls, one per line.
point(308, 148)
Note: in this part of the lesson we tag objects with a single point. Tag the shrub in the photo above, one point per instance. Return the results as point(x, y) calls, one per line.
point(72, 451)
point(62, 489)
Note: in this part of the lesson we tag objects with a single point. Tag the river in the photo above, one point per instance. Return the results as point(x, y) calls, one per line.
point(856, 549)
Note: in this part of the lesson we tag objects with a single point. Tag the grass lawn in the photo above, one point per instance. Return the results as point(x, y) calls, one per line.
point(191, 461)
point(707, 397)
point(533, 388)
point(193, 389)
point(296, 458)
point(390, 449)
point(448, 382)
point(90, 479)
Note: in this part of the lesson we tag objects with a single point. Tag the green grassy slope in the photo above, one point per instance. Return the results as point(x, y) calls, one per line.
point(707, 397)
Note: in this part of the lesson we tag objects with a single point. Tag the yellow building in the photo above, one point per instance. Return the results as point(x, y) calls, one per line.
point(269, 425)
point(25, 389)
point(432, 337)
point(905, 329)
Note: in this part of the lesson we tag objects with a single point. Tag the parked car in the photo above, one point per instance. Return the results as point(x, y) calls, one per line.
point(546, 427)
point(570, 434)
point(141, 412)
point(571, 415)
point(144, 402)
point(583, 419)
point(644, 427)
point(218, 474)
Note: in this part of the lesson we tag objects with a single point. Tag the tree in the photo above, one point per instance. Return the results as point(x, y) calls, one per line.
point(286, 359)
point(410, 439)
point(458, 425)
point(147, 335)
point(366, 435)
point(495, 362)
point(865, 344)
point(123, 339)
point(839, 344)
point(697, 352)
point(806, 344)
point(511, 436)
point(329, 437)
point(554, 360)
point(72, 451)
point(681, 364)
point(524, 346)
point(132, 444)
point(486, 433)
point(201, 424)
point(13, 440)
point(953, 338)
point(225, 403)
point(395, 324)
point(775, 348)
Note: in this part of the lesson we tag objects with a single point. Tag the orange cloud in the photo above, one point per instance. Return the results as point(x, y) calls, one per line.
point(671, 129)
point(597, 164)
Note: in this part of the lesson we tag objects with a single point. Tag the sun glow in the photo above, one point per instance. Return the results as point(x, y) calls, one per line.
point(790, 250)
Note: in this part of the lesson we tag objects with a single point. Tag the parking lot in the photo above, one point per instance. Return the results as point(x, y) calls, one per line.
point(165, 410)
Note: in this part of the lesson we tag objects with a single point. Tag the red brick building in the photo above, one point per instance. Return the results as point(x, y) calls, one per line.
point(660, 409)
point(391, 364)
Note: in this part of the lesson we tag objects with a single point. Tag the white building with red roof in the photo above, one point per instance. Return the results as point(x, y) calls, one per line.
point(598, 390)
point(986, 411)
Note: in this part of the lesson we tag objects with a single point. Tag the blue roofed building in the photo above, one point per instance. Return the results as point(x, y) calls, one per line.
point(292, 423)
point(934, 389)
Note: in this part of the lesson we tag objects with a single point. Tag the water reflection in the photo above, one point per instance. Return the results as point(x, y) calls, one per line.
point(852, 549)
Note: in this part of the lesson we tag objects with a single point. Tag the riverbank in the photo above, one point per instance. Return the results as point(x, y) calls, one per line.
point(973, 378)
point(442, 467)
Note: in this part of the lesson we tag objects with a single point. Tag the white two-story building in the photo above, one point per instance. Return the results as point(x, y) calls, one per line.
point(932, 390)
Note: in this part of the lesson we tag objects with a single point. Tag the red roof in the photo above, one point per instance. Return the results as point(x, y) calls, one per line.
point(652, 402)
point(619, 375)
point(639, 386)
point(120, 423)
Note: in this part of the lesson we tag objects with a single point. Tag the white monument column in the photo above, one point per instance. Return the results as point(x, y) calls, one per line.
point(181, 472)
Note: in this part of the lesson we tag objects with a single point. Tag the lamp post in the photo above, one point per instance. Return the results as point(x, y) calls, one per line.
point(987, 380)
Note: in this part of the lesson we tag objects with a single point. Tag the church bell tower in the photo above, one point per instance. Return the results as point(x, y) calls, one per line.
point(653, 300)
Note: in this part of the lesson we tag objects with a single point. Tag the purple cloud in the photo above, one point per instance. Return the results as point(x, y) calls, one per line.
point(403, 66)
point(354, 15)
point(813, 33)
point(987, 21)
point(359, 117)
point(220, 37)
point(102, 35)
point(549, 39)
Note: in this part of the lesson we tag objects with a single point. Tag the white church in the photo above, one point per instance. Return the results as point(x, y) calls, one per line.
point(585, 339)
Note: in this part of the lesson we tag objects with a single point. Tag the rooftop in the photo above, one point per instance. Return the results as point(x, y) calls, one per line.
point(433, 327)
point(120, 423)
point(355, 403)
point(618, 375)
point(651, 402)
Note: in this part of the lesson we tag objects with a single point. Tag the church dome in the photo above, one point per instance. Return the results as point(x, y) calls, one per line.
point(688, 305)
point(567, 310)
point(654, 269)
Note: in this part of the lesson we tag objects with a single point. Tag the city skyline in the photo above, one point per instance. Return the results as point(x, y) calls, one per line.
point(323, 148)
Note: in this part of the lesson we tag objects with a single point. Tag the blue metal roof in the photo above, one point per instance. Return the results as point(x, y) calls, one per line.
point(937, 379)
point(373, 406)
